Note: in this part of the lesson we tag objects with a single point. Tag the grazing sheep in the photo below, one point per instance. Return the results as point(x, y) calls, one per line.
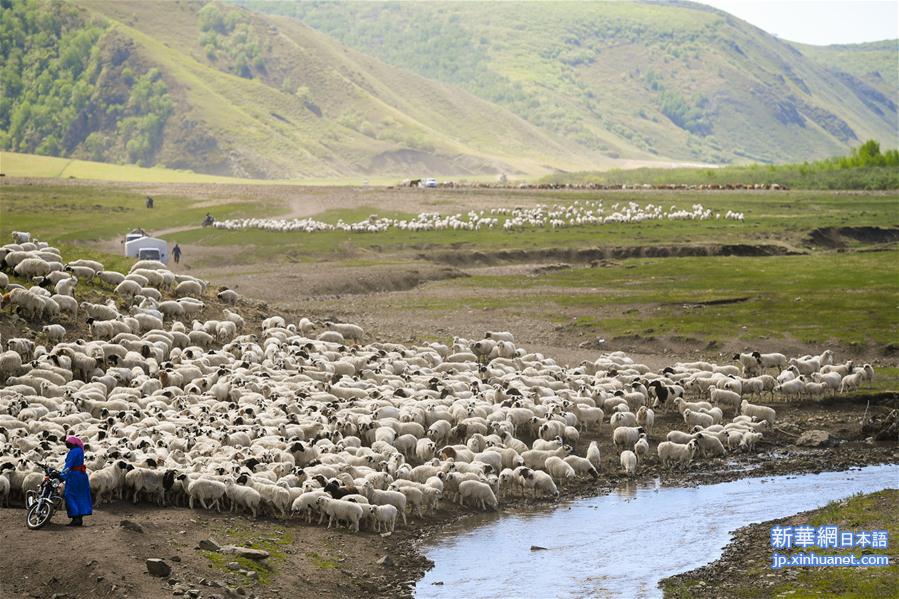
point(757, 411)
point(480, 492)
point(629, 462)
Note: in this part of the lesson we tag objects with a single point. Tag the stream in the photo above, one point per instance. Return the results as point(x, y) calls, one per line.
point(621, 544)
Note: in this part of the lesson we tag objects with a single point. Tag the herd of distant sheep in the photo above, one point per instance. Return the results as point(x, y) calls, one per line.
point(311, 420)
point(576, 214)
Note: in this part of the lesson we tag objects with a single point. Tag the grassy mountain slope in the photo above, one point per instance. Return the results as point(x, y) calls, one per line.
point(631, 79)
point(232, 92)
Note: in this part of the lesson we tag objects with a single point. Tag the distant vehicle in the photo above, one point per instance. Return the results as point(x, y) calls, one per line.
point(142, 247)
point(429, 182)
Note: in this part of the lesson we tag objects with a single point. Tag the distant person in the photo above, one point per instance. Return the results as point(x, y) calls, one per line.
point(149, 202)
point(208, 220)
point(78, 488)
point(176, 253)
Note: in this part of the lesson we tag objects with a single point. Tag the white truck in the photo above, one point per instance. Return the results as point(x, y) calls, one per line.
point(140, 246)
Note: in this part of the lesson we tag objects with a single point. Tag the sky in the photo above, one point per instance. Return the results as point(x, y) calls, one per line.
point(819, 22)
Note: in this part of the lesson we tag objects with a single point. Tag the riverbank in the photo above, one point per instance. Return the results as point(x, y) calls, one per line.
point(323, 562)
point(744, 569)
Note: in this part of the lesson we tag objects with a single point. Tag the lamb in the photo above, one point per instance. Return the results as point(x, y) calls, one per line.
point(337, 510)
point(394, 498)
point(110, 277)
point(676, 453)
point(307, 503)
point(725, 398)
point(108, 481)
point(756, 411)
point(624, 437)
point(244, 497)
point(581, 465)
point(623, 419)
point(384, 515)
point(795, 387)
point(537, 480)
point(629, 462)
point(851, 382)
point(766, 361)
point(709, 444)
point(67, 286)
point(749, 439)
point(189, 288)
point(228, 296)
point(203, 489)
point(32, 267)
point(646, 418)
point(593, 455)
point(347, 331)
point(54, 332)
point(10, 364)
point(559, 469)
point(702, 419)
point(481, 493)
point(641, 448)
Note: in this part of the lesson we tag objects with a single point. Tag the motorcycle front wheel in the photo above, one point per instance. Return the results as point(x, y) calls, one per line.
point(39, 514)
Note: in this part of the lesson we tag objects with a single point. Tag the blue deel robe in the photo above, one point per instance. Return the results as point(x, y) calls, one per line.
point(78, 486)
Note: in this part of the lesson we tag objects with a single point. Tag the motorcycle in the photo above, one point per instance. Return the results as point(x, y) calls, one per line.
point(41, 504)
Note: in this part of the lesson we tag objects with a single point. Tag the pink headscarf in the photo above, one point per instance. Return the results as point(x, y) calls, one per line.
point(73, 440)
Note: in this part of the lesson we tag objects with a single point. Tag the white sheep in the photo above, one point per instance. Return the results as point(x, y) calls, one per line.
point(629, 462)
point(338, 510)
point(757, 411)
point(479, 491)
point(559, 469)
point(676, 453)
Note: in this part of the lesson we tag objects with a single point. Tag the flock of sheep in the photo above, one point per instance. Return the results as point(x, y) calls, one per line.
point(306, 420)
point(586, 213)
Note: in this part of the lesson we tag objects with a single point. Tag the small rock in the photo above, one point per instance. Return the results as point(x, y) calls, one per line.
point(254, 554)
point(193, 593)
point(439, 583)
point(252, 574)
point(815, 438)
point(208, 545)
point(175, 558)
point(157, 567)
point(538, 548)
point(232, 566)
point(386, 561)
point(132, 526)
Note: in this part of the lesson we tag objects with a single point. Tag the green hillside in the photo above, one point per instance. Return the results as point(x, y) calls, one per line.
point(222, 90)
point(631, 79)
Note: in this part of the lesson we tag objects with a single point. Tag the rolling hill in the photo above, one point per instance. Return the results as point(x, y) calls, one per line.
point(326, 90)
point(221, 90)
point(679, 79)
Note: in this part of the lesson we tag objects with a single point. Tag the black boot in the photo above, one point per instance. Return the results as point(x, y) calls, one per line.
point(76, 521)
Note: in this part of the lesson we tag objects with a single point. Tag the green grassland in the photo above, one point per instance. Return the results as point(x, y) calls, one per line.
point(633, 79)
point(816, 295)
point(875, 511)
point(794, 176)
point(850, 298)
point(14, 164)
point(865, 168)
point(71, 214)
point(774, 218)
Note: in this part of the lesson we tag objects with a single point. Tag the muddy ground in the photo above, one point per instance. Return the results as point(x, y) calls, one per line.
point(103, 559)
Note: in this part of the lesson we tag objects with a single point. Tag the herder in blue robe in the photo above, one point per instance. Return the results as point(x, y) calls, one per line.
point(78, 486)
